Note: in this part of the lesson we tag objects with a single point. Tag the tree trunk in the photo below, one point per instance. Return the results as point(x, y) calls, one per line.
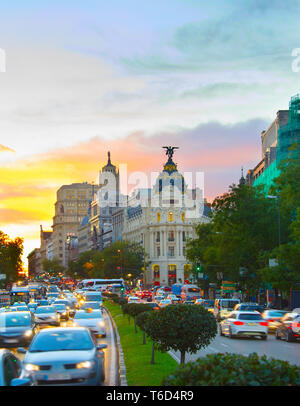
point(152, 358)
point(182, 357)
point(144, 337)
point(135, 326)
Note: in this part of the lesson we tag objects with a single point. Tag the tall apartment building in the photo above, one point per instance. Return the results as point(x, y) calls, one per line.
point(282, 133)
point(70, 209)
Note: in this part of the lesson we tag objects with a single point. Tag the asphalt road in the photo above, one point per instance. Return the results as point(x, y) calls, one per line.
point(272, 348)
point(110, 358)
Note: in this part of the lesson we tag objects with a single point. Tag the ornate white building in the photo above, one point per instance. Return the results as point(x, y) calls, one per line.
point(162, 220)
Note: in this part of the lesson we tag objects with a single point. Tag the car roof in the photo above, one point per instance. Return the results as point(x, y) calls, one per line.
point(245, 312)
point(61, 329)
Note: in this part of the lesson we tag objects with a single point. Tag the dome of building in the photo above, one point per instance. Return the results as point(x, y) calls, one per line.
point(170, 177)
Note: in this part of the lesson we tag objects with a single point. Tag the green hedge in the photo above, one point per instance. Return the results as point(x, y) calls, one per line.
point(235, 370)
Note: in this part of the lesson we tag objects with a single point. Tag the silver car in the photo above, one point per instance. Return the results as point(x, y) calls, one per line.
point(244, 323)
point(47, 315)
point(91, 319)
point(65, 356)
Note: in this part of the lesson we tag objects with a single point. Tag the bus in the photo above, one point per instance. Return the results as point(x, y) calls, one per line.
point(99, 283)
point(4, 298)
point(190, 292)
point(20, 294)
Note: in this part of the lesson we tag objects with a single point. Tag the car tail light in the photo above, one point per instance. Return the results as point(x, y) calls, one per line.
point(270, 320)
point(295, 324)
point(263, 323)
point(238, 323)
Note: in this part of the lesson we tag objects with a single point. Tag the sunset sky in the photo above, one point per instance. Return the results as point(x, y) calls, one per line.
point(129, 76)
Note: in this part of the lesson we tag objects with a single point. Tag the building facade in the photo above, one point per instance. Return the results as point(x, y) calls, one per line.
point(283, 132)
point(164, 225)
point(71, 208)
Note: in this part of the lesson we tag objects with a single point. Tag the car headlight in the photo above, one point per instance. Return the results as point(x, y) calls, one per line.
point(101, 324)
point(31, 367)
point(28, 333)
point(85, 365)
point(64, 313)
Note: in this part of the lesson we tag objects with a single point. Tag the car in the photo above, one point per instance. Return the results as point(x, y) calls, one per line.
point(47, 315)
point(42, 302)
point(92, 319)
point(69, 305)
point(189, 302)
point(146, 294)
point(164, 303)
point(207, 303)
point(91, 305)
point(244, 323)
point(153, 305)
point(223, 307)
point(249, 306)
point(65, 356)
point(133, 299)
point(288, 327)
point(12, 372)
point(174, 299)
point(273, 317)
point(19, 304)
point(20, 309)
point(158, 298)
point(16, 328)
point(62, 311)
point(32, 306)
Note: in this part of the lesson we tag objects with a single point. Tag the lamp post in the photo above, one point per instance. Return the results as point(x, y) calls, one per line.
point(279, 231)
point(119, 251)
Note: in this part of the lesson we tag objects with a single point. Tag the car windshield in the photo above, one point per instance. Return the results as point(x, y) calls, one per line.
point(250, 316)
point(228, 304)
point(87, 315)
point(44, 309)
point(15, 320)
point(90, 305)
point(89, 298)
point(62, 341)
point(60, 306)
point(251, 307)
point(276, 313)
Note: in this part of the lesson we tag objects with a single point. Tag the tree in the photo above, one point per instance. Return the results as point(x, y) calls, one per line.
point(116, 261)
point(142, 320)
point(235, 370)
point(242, 228)
point(182, 328)
point(53, 267)
point(10, 256)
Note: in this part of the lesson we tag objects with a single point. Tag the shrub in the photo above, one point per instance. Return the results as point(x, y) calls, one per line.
point(235, 370)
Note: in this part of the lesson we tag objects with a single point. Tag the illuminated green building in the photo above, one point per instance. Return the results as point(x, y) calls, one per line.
point(276, 141)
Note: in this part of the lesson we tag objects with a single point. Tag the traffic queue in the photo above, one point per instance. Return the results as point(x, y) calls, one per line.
point(56, 330)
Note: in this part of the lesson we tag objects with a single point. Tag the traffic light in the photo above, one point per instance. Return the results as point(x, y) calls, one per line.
point(118, 268)
point(198, 266)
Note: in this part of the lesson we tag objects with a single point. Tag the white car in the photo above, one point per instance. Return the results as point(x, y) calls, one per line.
point(91, 319)
point(133, 299)
point(244, 323)
point(165, 302)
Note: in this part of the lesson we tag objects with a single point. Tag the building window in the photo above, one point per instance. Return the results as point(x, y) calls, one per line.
point(158, 251)
point(156, 271)
point(170, 217)
point(183, 251)
point(183, 236)
point(158, 217)
point(172, 274)
point(171, 236)
point(157, 236)
point(171, 251)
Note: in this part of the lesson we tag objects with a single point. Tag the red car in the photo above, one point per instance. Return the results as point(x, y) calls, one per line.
point(146, 294)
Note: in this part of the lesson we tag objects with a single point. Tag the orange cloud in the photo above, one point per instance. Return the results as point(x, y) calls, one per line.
point(28, 186)
point(3, 148)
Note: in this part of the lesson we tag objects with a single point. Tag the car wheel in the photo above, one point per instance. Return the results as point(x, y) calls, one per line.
point(220, 331)
point(265, 337)
point(277, 335)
